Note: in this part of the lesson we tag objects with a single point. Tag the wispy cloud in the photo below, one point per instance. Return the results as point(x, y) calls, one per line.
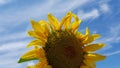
point(114, 34)
point(113, 53)
point(92, 14)
point(12, 46)
point(112, 37)
point(13, 49)
point(104, 8)
point(38, 10)
point(11, 52)
point(13, 36)
point(4, 1)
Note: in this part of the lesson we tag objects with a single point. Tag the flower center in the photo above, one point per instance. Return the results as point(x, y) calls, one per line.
point(63, 50)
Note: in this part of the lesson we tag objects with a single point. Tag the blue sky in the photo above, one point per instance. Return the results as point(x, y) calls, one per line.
point(101, 16)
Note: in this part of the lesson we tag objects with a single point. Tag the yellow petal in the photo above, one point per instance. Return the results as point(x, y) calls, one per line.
point(36, 43)
point(53, 21)
point(87, 39)
point(76, 17)
point(90, 38)
point(84, 66)
point(94, 65)
point(94, 57)
point(29, 67)
point(35, 35)
point(95, 36)
point(93, 47)
point(35, 53)
point(64, 19)
point(45, 25)
point(75, 26)
point(89, 62)
point(38, 28)
point(67, 20)
point(87, 32)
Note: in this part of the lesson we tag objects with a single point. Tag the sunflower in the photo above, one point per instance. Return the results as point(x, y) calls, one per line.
point(58, 44)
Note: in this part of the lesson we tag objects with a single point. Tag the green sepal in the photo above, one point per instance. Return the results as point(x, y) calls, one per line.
point(25, 60)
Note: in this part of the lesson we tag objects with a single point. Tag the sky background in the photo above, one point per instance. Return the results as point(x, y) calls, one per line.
point(100, 16)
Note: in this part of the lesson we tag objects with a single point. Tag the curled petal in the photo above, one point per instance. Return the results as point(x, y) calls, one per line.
point(68, 21)
point(38, 28)
point(93, 47)
point(36, 35)
point(65, 19)
point(36, 43)
point(95, 36)
point(89, 62)
point(90, 38)
point(53, 21)
point(94, 57)
point(75, 25)
point(45, 25)
point(34, 54)
point(87, 33)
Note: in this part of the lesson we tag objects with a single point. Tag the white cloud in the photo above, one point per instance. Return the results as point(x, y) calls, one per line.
point(14, 36)
point(39, 10)
point(11, 52)
point(12, 46)
point(113, 53)
point(4, 1)
point(104, 8)
point(92, 14)
point(16, 17)
point(112, 37)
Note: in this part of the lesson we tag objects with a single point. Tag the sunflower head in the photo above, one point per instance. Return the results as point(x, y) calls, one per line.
point(58, 44)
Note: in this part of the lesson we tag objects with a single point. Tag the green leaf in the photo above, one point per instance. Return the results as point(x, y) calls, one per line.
point(25, 60)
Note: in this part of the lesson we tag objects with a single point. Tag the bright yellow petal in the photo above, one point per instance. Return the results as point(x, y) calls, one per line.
point(36, 42)
point(67, 20)
point(35, 35)
point(93, 47)
point(91, 38)
point(36, 53)
point(45, 25)
point(30, 67)
point(76, 17)
point(36, 26)
point(94, 57)
point(89, 62)
point(87, 33)
point(64, 19)
point(95, 36)
point(75, 26)
point(39, 28)
point(53, 21)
